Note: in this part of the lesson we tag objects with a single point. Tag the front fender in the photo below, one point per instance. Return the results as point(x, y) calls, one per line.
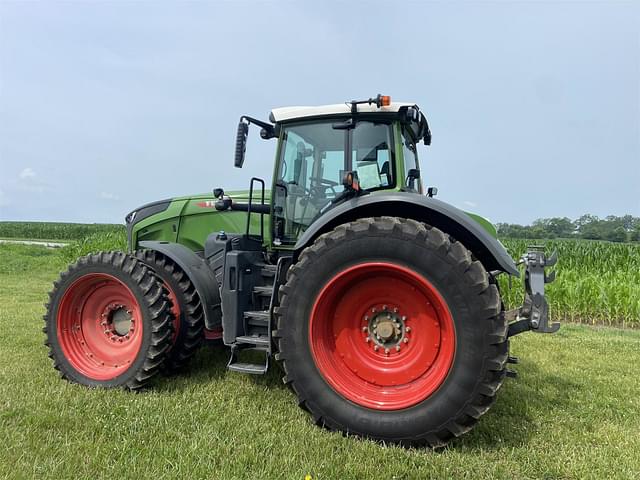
point(200, 275)
point(447, 218)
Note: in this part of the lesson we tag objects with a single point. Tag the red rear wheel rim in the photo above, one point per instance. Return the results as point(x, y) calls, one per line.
point(99, 326)
point(382, 336)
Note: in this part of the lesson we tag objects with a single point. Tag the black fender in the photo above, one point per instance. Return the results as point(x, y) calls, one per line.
point(200, 275)
point(444, 216)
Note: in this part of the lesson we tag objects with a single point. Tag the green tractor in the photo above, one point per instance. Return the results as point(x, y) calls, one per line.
point(379, 302)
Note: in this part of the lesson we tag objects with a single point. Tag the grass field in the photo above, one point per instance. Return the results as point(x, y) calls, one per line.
point(54, 230)
point(572, 413)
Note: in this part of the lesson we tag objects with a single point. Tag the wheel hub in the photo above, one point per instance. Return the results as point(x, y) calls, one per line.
point(386, 329)
point(118, 322)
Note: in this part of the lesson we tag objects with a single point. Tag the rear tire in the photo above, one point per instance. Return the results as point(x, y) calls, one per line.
point(388, 329)
point(108, 322)
point(187, 309)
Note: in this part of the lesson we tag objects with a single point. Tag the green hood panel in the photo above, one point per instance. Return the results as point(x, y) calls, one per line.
point(190, 219)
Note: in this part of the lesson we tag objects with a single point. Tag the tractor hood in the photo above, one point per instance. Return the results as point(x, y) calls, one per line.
point(190, 219)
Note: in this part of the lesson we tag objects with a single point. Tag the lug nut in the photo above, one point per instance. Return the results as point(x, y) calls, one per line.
point(395, 310)
point(397, 348)
point(376, 348)
point(386, 350)
point(404, 318)
point(368, 339)
point(384, 307)
point(366, 318)
point(406, 340)
point(373, 310)
point(364, 329)
point(408, 329)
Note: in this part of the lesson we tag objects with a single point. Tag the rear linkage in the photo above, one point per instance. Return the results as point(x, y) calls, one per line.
point(534, 312)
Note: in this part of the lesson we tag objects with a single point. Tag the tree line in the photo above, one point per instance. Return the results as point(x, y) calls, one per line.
point(591, 227)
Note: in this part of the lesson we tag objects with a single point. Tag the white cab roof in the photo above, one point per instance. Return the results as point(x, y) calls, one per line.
point(289, 113)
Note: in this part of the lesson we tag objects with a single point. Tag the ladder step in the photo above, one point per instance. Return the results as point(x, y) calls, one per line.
point(269, 270)
point(257, 318)
point(263, 291)
point(252, 368)
point(257, 340)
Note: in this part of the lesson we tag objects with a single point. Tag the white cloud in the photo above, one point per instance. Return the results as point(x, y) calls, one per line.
point(28, 181)
point(469, 203)
point(109, 196)
point(27, 173)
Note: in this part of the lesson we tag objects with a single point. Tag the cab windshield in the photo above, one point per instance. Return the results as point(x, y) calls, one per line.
point(312, 164)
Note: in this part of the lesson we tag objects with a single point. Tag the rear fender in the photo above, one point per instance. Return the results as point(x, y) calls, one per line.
point(436, 213)
point(200, 275)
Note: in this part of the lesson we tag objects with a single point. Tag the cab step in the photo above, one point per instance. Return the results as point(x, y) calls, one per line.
point(258, 318)
point(251, 368)
point(269, 271)
point(263, 291)
point(257, 342)
point(250, 342)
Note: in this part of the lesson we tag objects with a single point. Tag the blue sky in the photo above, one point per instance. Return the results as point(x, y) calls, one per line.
point(534, 107)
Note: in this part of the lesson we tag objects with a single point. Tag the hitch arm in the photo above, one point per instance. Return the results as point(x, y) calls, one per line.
point(534, 312)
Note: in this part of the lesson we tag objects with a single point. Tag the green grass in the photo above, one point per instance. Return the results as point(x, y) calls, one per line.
point(572, 413)
point(598, 282)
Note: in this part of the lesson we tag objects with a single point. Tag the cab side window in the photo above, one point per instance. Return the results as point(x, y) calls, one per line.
point(410, 156)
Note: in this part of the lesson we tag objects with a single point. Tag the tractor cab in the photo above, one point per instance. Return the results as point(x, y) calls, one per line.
point(332, 153)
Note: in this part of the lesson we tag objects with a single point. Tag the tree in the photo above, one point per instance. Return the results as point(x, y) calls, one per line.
point(619, 234)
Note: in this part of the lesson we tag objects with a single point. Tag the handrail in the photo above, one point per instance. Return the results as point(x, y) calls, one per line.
point(249, 210)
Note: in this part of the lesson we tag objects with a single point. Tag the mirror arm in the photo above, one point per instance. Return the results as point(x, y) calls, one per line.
point(269, 128)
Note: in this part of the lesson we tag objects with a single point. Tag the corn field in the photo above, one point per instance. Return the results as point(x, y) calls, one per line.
point(597, 282)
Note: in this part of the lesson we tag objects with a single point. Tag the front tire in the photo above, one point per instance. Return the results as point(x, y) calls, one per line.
point(108, 322)
point(387, 329)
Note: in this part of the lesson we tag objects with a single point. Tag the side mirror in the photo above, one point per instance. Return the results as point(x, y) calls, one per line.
point(427, 136)
point(218, 192)
point(412, 175)
point(241, 143)
point(432, 191)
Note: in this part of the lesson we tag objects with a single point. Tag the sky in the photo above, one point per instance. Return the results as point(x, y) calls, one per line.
point(534, 107)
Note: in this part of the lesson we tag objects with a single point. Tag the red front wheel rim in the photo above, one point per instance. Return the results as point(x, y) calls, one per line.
point(99, 326)
point(382, 336)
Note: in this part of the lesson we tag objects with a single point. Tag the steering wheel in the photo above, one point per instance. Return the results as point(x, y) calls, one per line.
point(322, 184)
